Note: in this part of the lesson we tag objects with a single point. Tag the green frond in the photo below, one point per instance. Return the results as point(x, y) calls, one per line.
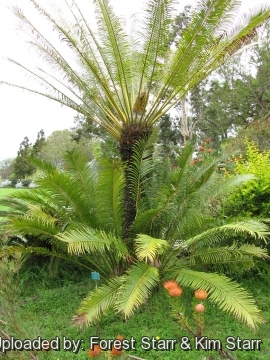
point(22, 201)
point(83, 46)
point(62, 188)
point(153, 35)
point(237, 36)
point(44, 166)
point(17, 206)
point(36, 212)
point(44, 229)
point(30, 250)
point(143, 222)
point(226, 294)
point(108, 193)
point(137, 284)
point(229, 258)
point(254, 228)
point(85, 240)
point(148, 248)
point(141, 166)
point(85, 175)
point(228, 185)
point(118, 52)
point(204, 45)
point(98, 302)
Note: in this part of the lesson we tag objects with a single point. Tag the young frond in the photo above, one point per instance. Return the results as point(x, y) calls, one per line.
point(148, 248)
point(227, 294)
point(136, 287)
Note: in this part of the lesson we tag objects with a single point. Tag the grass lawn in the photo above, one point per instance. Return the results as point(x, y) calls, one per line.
point(4, 192)
point(45, 309)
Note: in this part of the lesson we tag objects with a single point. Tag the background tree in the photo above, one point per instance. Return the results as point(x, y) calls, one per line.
point(39, 143)
point(61, 141)
point(87, 129)
point(237, 97)
point(22, 165)
point(169, 136)
point(6, 168)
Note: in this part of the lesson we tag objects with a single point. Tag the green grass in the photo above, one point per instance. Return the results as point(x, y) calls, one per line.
point(45, 308)
point(5, 192)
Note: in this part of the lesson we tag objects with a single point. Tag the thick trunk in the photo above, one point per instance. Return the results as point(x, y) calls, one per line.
point(130, 135)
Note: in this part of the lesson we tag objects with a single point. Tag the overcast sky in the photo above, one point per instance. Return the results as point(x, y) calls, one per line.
point(22, 114)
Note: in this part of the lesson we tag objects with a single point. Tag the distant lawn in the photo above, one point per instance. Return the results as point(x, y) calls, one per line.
point(4, 192)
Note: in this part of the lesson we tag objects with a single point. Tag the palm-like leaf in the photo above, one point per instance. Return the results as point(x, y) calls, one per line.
point(113, 75)
point(141, 167)
point(35, 226)
point(90, 240)
point(136, 288)
point(109, 189)
point(11, 250)
point(228, 295)
point(148, 248)
point(228, 258)
point(98, 302)
point(254, 228)
point(179, 206)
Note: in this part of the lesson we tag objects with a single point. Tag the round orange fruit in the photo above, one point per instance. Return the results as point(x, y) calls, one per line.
point(201, 294)
point(95, 351)
point(199, 308)
point(175, 292)
point(170, 284)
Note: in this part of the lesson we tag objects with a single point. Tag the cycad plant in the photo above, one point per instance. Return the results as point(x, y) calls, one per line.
point(124, 82)
point(178, 237)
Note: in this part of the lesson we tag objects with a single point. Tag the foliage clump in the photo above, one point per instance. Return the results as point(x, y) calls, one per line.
point(253, 198)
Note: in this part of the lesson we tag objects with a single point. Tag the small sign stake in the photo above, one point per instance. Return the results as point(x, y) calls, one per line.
point(95, 276)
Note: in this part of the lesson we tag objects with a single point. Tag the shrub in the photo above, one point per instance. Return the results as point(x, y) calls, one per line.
point(26, 182)
point(253, 198)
